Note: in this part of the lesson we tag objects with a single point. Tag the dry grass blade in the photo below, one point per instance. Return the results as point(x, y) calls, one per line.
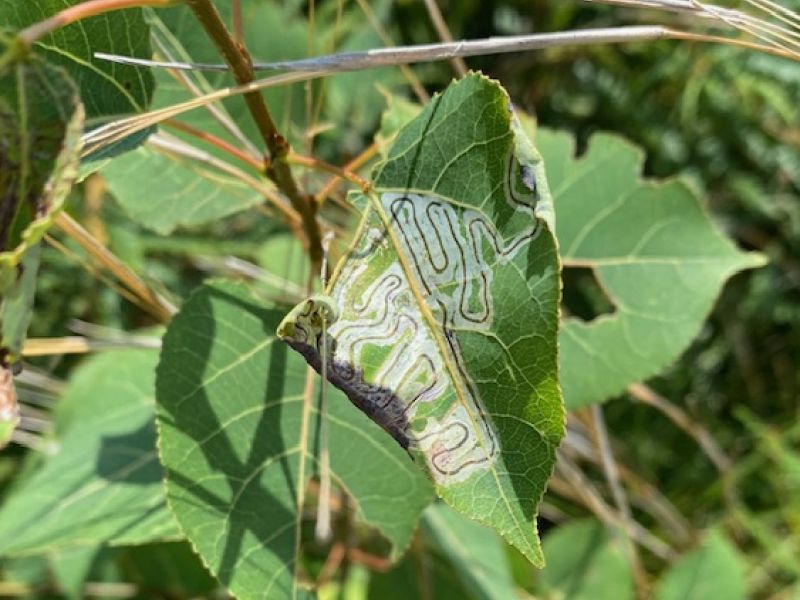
point(82, 345)
point(154, 302)
point(314, 68)
point(774, 34)
point(459, 66)
point(696, 431)
point(644, 495)
point(196, 85)
point(611, 472)
point(171, 145)
point(571, 483)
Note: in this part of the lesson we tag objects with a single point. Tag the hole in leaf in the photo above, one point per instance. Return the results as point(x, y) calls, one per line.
point(583, 296)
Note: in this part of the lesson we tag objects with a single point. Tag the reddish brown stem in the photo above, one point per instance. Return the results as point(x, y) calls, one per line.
point(358, 162)
point(238, 23)
point(243, 156)
point(319, 165)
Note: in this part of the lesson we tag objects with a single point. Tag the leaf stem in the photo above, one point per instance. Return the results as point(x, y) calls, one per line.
point(293, 158)
point(319, 165)
point(238, 59)
point(356, 163)
point(84, 10)
point(212, 139)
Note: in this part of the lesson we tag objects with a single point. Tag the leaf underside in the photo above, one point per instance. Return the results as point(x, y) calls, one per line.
point(655, 252)
point(448, 310)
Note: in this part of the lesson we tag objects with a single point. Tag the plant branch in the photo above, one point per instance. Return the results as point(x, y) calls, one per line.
point(319, 165)
point(84, 10)
point(238, 23)
point(241, 65)
point(212, 139)
point(356, 163)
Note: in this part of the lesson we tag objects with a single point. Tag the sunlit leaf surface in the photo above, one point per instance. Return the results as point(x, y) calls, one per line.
point(447, 309)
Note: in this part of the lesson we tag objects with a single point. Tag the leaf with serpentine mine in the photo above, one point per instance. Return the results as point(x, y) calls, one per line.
point(443, 316)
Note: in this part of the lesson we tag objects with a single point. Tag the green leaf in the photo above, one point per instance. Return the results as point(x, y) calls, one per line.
point(420, 574)
point(16, 311)
point(16, 306)
point(104, 483)
point(238, 441)
point(71, 566)
point(41, 118)
point(286, 265)
point(713, 571)
point(172, 567)
point(476, 552)
point(163, 191)
point(108, 89)
point(655, 252)
point(398, 112)
point(584, 563)
point(448, 310)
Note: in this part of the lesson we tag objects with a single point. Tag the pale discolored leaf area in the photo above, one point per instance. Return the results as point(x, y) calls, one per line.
point(447, 309)
point(239, 435)
point(103, 484)
point(654, 250)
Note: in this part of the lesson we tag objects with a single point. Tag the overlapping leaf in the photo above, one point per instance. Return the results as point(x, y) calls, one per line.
point(108, 89)
point(476, 552)
point(104, 483)
point(448, 309)
point(714, 570)
point(654, 250)
point(584, 563)
point(238, 436)
point(41, 118)
point(163, 191)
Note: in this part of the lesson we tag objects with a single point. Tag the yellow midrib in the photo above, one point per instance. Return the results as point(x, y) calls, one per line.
point(431, 321)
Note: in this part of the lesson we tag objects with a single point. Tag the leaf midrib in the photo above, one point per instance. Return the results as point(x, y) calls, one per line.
point(431, 322)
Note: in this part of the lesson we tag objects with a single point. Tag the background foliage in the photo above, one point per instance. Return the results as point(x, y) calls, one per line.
point(706, 448)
